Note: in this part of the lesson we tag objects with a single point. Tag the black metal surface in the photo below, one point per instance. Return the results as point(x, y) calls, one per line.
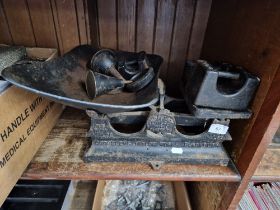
point(218, 86)
point(128, 118)
point(99, 84)
point(62, 80)
point(210, 113)
point(36, 195)
point(157, 139)
point(142, 80)
point(104, 61)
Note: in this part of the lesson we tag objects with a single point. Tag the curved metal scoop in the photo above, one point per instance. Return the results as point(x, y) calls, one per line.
point(62, 80)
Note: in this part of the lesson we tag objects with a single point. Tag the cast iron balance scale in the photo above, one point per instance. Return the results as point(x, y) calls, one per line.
point(132, 120)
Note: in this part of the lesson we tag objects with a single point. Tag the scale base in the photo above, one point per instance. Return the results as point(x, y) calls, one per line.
point(156, 156)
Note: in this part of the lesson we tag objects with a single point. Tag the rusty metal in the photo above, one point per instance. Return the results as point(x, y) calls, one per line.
point(62, 80)
point(99, 84)
point(156, 143)
point(156, 137)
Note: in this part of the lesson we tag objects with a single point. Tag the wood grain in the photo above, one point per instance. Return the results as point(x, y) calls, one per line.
point(92, 23)
point(5, 35)
point(126, 25)
point(163, 33)
point(200, 20)
point(88, 22)
point(57, 28)
point(146, 14)
point(209, 195)
point(43, 24)
point(181, 35)
point(269, 167)
point(263, 130)
point(60, 157)
point(19, 22)
point(79, 195)
point(81, 18)
point(107, 20)
point(182, 198)
point(66, 26)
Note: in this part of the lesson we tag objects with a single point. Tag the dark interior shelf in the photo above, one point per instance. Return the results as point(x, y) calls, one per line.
point(60, 157)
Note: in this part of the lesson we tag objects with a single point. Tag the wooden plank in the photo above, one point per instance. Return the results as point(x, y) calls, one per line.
point(60, 157)
point(43, 24)
point(163, 33)
point(126, 24)
point(5, 35)
point(181, 34)
point(66, 24)
point(56, 23)
point(19, 22)
point(146, 14)
point(201, 15)
point(92, 23)
point(79, 195)
point(222, 17)
point(208, 195)
point(262, 132)
point(98, 196)
point(107, 19)
point(86, 5)
point(81, 18)
point(181, 196)
point(269, 167)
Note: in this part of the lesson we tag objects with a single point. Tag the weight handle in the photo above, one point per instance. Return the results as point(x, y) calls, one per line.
point(229, 75)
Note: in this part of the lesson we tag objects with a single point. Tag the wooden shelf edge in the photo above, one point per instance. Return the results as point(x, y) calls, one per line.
point(70, 176)
point(267, 178)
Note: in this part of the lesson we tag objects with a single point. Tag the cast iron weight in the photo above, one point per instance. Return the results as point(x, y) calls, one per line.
point(143, 61)
point(138, 71)
point(218, 86)
point(99, 84)
point(135, 66)
point(104, 61)
point(141, 80)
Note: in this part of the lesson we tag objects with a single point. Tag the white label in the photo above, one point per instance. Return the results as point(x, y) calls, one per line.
point(177, 150)
point(218, 129)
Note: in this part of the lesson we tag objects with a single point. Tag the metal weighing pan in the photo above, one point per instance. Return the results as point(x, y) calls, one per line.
point(62, 80)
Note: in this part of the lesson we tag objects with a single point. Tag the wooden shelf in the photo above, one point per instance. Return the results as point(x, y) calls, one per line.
point(269, 167)
point(60, 157)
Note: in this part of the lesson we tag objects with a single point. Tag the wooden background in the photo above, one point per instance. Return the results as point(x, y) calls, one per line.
point(173, 29)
